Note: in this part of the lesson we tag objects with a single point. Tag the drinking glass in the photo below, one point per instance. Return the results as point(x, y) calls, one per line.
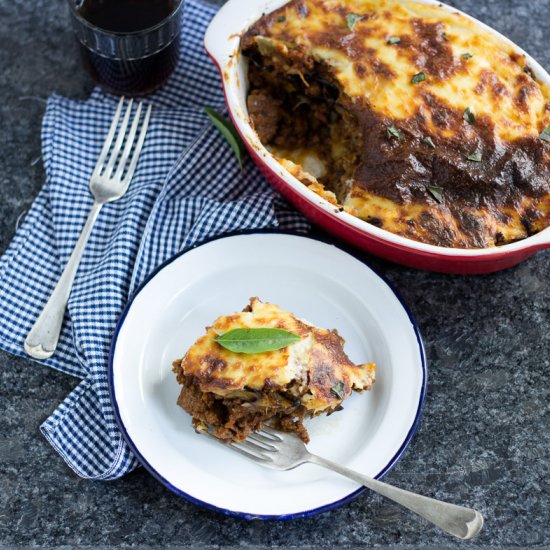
point(128, 62)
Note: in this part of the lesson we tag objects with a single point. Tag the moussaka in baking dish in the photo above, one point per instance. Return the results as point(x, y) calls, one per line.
point(409, 116)
point(231, 394)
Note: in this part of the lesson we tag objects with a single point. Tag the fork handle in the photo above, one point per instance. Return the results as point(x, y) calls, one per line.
point(42, 339)
point(459, 521)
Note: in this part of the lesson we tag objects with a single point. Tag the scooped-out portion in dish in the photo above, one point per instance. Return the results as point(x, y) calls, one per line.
point(408, 116)
point(232, 393)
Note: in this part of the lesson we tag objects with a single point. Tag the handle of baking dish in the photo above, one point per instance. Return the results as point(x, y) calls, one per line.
point(222, 36)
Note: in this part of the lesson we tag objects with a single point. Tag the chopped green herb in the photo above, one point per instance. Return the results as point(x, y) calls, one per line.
point(469, 115)
point(467, 55)
point(394, 40)
point(281, 19)
point(445, 36)
point(475, 157)
point(393, 132)
point(256, 340)
point(338, 390)
point(417, 78)
point(436, 193)
point(352, 20)
point(265, 45)
point(545, 134)
point(229, 132)
point(429, 141)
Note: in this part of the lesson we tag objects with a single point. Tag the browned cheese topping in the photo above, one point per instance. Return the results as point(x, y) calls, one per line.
point(411, 117)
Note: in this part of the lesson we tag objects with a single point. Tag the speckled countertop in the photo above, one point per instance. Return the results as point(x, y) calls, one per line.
point(484, 439)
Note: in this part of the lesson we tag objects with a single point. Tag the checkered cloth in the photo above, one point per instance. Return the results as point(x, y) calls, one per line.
point(187, 187)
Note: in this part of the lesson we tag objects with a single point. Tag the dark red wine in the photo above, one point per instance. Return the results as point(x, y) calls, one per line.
point(135, 44)
point(125, 15)
point(132, 76)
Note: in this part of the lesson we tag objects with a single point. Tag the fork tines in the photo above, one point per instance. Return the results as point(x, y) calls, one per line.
point(257, 446)
point(107, 166)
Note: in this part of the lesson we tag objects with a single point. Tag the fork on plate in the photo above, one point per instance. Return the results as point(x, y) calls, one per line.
point(283, 451)
point(110, 179)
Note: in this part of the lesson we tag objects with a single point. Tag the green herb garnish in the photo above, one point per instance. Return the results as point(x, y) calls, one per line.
point(545, 134)
point(393, 132)
point(445, 36)
point(417, 78)
point(229, 132)
point(467, 55)
point(256, 340)
point(338, 390)
point(352, 20)
point(265, 45)
point(394, 40)
point(436, 193)
point(281, 19)
point(469, 115)
point(429, 141)
point(475, 157)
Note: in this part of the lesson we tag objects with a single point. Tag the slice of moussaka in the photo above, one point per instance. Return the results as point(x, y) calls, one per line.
point(232, 393)
point(409, 116)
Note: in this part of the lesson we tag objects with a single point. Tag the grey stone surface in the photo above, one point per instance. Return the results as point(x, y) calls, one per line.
point(484, 438)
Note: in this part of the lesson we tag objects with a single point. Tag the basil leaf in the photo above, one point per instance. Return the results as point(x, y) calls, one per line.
point(467, 55)
point(545, 135)
point(469, 115)
point(338, 390)
point(475, 157)
point(352, 20)
point(393, 132)
point(436, 193)
point(429, 141)
point(229, 132)
point(417, 78)
point(256, 340)
point(394, 40)
point(281, 19)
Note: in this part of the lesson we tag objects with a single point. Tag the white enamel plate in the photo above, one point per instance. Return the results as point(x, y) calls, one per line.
point(315, 281)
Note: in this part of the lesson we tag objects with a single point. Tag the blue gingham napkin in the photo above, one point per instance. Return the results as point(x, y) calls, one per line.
point(187, 187)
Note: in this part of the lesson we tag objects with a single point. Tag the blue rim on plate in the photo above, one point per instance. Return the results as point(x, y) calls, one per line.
point(243, 515)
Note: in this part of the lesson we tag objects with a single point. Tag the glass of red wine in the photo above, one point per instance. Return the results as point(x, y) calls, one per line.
point(129, 47)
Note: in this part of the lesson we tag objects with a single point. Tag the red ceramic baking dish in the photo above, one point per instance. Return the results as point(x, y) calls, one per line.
point(222, 42)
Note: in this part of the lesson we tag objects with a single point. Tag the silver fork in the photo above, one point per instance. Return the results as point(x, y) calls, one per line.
point(282, 451)
point(109, 182)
